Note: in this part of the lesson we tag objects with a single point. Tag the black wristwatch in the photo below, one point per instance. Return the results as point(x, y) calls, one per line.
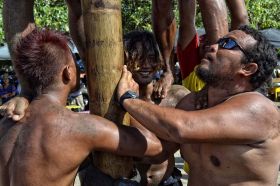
point(128, 95)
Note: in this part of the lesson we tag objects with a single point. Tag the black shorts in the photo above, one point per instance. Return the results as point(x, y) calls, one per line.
point(174, 179)
point(91, 176)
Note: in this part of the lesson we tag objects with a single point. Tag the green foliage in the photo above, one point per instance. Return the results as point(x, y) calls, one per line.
point(198, 18)
point(48, 13)
point(137, 14)
point(264, 13)
point(52, 14)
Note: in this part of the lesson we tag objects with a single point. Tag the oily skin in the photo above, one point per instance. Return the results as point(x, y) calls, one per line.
point(235, 140)
point(55, 141)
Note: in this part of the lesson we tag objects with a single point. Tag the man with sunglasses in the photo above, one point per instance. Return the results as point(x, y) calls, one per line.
point(228, 132)
point(214, 13)
point(230, 44)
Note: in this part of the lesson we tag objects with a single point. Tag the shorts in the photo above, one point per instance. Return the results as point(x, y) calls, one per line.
point(174, 179)
point(91, 176)
point(188, 60)
point(188, 57)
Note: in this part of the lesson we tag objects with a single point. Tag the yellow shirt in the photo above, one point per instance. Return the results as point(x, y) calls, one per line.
point(192, 82)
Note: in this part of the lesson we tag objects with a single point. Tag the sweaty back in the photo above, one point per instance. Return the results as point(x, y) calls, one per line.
point(34, 151)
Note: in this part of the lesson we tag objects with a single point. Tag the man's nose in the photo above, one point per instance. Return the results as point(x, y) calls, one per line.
point(211, 48)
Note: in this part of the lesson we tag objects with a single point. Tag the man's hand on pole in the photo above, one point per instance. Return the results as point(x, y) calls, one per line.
point(126, 83)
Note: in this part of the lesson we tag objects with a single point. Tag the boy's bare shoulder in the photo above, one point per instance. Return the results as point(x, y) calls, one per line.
point(178, 90)
point(175, 95)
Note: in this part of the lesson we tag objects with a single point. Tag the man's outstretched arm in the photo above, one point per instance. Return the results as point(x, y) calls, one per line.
point(214, 17)
point(241, 119)
point(187, 29)
point(238, 12)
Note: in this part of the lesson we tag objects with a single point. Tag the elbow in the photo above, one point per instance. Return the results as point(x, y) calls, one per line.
point(154, 148)
point(175, 133)
point(182, 132)
point(157, 148)
point(179, 137)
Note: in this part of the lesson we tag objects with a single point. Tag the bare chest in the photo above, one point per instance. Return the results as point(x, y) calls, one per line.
point(225, 161)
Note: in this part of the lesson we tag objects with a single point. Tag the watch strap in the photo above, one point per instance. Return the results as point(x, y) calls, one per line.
point(128, 95)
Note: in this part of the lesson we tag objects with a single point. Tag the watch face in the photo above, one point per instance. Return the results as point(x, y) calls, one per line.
point(131, 94)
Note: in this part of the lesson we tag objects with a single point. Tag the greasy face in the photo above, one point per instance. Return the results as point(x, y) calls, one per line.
point(221, 63)
point(143, 67)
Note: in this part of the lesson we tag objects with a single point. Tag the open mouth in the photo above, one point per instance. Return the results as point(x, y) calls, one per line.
point(144, 73)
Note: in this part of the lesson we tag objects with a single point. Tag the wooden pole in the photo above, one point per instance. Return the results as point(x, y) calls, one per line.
point(104, 57)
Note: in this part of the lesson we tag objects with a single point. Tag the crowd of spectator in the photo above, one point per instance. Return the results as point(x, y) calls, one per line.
point(9, 86)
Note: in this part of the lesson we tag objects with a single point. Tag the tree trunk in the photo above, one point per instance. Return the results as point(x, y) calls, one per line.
point(104, 57)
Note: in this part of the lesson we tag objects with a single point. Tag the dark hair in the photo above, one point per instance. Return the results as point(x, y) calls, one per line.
point(148, 43)
point(263, 54)
point(39, 56)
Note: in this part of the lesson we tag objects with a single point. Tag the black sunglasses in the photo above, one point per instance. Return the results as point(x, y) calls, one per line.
point(229, 43)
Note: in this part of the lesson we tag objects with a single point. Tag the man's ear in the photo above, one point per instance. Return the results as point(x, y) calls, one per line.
point(66, 74)
point(249, 69)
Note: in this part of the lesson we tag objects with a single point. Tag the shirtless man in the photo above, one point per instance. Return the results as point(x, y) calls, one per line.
point(47, 146)
point(214, 16)
point(143, 59)
point(228, 132)
point(164, 23)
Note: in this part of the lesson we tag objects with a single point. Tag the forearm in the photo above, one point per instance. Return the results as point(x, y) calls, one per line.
point(214, 17)
point(239, 14)
point(164, 27)
point(165, 39)
point(159, 120)
point(187, 28)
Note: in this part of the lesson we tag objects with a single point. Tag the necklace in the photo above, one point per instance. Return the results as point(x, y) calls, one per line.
point(201, 98)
